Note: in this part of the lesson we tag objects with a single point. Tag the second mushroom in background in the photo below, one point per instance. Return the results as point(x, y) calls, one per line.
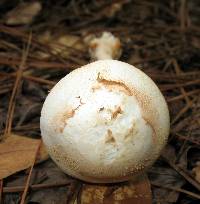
point(106, 46)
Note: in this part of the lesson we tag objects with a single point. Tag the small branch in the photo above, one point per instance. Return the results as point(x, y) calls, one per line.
point(29, 175)
point(16, 189)
point(31, 78)
point(194, 195)
point(182, 111)
point(183, 14)
point(1, 191)
point(183, 173)
point(181, 96)
point(178, 71)
point(11, 106)
point(187, 139)
point(173, 86)
point(73, 191)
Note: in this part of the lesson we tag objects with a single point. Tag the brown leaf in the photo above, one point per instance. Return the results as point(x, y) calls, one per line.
point(165, 176)
point(196, 171)
point(17, 153)
point(132, 192)
point(24, 13)
point(62, 44)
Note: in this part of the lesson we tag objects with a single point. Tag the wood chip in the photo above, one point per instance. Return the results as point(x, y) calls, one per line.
point(136, 192)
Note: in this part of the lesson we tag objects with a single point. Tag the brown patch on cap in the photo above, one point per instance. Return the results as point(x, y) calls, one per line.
point(116, 112)
point(95, 87)
point(153, 130)
point(62, 118)
point(116, 85)
point(132, 130)
point(68, 115)
point(148, 110)
point(109, 137)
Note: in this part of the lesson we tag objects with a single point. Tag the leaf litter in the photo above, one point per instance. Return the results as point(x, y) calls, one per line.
point(160, 38)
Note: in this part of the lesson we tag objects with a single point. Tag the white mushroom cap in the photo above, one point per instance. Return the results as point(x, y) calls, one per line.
point(105, 122)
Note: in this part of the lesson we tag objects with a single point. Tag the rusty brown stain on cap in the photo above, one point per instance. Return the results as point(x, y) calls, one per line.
point(61, 119)
point(132, 131)
point(109, 137)
point(116, 112)
point(154, 137)
point(116, 85)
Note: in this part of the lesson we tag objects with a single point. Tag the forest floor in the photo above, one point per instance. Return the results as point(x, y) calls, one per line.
point(42, 41)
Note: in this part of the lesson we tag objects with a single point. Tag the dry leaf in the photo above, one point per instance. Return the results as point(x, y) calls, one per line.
point(132, 192)
point(114, 8)
point(23, 13)
point(61, 44)
point(17, 153)
point(165, 176)
point(196, 171)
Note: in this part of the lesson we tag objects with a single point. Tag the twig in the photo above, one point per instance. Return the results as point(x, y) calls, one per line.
point(183, 173)
point(1, 191)
point(188, 136)
point(173, 86)
point(29, 127)
point(16, 189)
point(29, 175)
point(33, 126)
point(42, 46)
point(194, 195)
point(183, 14)
point(178, 71)
point(73, 190)
point(179, 97)
point(31, 78)
point(5, 91)
point(11, 105)
point(79, 194)
point(188, 139)
point(39, 64)
point(182, 111)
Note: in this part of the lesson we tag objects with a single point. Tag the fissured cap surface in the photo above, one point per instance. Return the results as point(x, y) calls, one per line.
point(105, 122)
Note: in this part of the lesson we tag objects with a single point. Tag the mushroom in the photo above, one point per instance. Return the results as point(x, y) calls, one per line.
point(106, 46)
point(105, 122)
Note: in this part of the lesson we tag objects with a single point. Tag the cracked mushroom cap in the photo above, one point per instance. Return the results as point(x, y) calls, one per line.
point(105, 122)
